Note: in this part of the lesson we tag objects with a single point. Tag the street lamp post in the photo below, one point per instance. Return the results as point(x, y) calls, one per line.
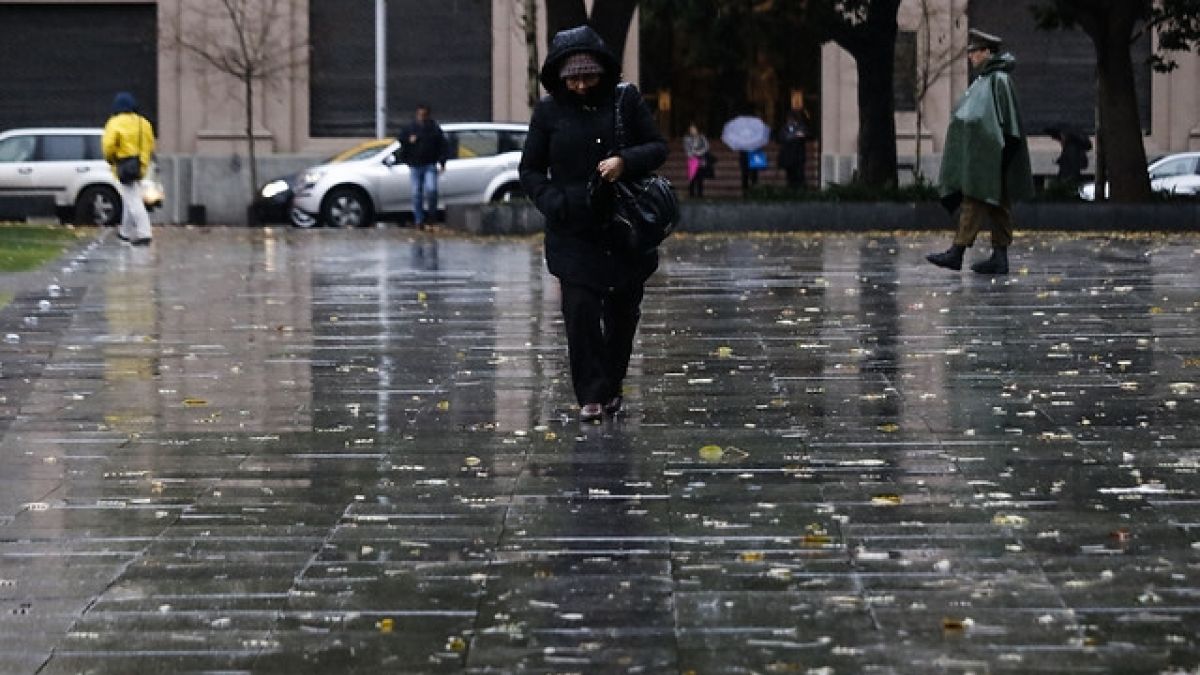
point(380, 68)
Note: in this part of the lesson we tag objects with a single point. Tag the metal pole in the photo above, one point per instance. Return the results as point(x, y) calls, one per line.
point(380, 68)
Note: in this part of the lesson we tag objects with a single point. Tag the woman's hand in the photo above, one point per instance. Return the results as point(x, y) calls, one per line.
point(611, 169)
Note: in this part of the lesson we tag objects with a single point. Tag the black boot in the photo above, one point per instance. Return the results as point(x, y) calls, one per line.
point(951, 258)
point(997, 264)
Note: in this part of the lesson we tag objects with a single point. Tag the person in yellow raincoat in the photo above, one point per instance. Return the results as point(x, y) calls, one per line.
point(985, 163)
point(129, 140)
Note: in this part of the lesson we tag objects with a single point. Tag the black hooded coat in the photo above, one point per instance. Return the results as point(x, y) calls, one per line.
point(568, 137)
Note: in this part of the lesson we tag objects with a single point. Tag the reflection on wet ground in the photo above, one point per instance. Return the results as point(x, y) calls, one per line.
point(319, 452)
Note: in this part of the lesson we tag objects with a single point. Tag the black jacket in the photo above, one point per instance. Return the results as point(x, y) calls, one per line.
point(422, 144)
point(567, 138)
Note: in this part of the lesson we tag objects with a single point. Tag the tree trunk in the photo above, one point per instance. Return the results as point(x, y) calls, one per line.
point(1121, 140)
point(612, 19)
point(876, 111)
point(563, 14)
point(249, 91)
point(532, 67)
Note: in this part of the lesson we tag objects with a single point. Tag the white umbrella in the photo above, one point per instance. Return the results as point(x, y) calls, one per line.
point(746, 133)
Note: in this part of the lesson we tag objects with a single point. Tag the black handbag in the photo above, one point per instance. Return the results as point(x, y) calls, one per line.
point(129, 169)
point(644, 210)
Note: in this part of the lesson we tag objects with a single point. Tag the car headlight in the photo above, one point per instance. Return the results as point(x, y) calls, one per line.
point(274, 187)
point(312, 176)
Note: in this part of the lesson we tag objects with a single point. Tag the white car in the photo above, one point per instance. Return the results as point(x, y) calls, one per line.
point(1174, 174)
point(68, 165)
point(356, 193)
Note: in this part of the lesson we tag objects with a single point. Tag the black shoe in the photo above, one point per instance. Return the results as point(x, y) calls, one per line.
point(122, 237)
point(144, 241)
point(614, 405)
point(997, 264)
point(951, 258)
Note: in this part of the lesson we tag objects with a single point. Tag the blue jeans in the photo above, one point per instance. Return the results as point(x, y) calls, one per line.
point(424, 179)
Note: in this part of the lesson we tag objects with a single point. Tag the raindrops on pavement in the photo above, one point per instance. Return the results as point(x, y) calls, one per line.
point(332, 451)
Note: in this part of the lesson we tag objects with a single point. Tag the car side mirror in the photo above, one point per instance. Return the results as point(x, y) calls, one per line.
point(389, 160)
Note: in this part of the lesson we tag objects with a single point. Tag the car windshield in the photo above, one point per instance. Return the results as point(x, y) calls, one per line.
point(361, 151)
point(1181, 166)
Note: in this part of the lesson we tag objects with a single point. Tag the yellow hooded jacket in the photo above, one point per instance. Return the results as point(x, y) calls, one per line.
point(127, 134)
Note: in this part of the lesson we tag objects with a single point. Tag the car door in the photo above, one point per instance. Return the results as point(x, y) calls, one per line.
point(472, 166)
point(16, 164)
point(62, 165)
point(393, 189)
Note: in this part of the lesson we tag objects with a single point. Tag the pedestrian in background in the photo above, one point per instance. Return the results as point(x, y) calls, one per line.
point(793, 149)
point(424, 149)
point(1073, 159)
point(571, 144)
point(696, 147)
point(986, 159)
point(750, 161)
point(128, 145)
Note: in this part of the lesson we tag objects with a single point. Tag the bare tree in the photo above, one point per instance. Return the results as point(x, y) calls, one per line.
point(529, 28)
point(935, 56)
point(251, 41)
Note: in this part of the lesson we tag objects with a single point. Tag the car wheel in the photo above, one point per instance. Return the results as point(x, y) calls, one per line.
point(347, 207)
point(301, 219)
point(98, 205)
point(509, 193)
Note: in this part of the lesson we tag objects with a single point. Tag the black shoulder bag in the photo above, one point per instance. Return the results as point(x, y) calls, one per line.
point(645, 209)
point(129, 169)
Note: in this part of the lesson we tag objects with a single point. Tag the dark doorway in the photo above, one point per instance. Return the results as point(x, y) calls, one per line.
point(708, 64)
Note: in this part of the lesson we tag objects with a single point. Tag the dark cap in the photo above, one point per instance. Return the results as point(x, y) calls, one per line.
point(977, 39)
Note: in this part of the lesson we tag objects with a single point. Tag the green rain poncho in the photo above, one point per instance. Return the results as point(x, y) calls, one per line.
point(986, 156)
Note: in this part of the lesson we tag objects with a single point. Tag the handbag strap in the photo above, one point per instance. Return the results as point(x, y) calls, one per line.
point(619, 123)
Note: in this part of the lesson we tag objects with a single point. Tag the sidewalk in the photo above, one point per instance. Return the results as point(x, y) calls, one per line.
point(281, 451)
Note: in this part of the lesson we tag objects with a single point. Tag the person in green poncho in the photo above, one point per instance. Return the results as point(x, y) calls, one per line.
point(985, 163)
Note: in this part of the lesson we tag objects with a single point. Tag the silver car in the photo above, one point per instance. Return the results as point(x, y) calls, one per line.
point(67, 164)
point(356, 193)
point(1177, 174)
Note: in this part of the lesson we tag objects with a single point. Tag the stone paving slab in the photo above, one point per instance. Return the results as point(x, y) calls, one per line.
point(280, 451)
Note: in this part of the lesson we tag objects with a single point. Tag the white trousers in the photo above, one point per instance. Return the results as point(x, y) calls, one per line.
point(135, 220)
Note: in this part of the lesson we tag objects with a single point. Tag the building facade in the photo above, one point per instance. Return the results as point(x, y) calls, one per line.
point(464, 58)
point(468, 60)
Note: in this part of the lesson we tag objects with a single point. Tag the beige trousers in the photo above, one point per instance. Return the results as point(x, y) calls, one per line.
point(974, 214)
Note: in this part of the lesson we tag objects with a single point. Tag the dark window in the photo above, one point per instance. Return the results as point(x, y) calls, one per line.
point(68, 60)
point(512, 141)
point(62, 148)
point(905, 72)
point(439, 53)
point(94, 151)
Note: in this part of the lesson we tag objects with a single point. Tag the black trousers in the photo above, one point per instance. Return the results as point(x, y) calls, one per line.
point(600, 331)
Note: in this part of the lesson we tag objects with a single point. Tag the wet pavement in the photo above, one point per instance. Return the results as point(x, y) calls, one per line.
point(334, 452)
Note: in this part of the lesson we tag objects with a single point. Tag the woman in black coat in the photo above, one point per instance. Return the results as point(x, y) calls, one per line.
point(571, 139)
